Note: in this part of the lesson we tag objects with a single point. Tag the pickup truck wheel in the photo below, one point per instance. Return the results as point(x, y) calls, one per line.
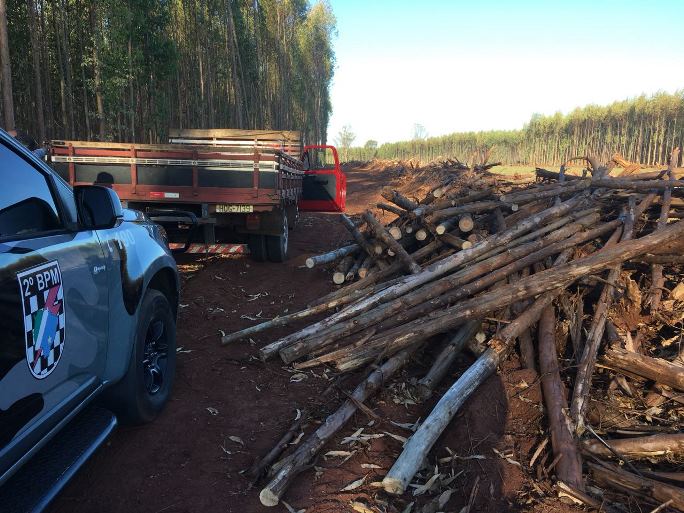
point(277, 244)
point(257, 247)
point(144, 390)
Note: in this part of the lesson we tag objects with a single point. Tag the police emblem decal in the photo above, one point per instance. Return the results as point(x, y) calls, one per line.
point(42, 297)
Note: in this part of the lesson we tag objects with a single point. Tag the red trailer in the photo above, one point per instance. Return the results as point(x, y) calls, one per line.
point(234, 185)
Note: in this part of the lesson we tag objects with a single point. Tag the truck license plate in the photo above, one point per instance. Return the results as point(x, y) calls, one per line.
point(234, 209)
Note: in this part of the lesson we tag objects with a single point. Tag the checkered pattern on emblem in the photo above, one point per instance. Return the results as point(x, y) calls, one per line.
point(43, 364)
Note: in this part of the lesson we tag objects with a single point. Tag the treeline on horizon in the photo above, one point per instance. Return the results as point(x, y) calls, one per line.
point(128, 70)
point(643, 129)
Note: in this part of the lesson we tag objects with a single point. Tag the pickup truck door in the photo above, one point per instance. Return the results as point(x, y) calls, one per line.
point(53, 307)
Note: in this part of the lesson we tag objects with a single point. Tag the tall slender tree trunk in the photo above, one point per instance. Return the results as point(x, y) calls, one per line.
point(97, 71)
point(47, 59)
point(35, 59)
point(69, 95)
point(131, 88)
point(6, 70)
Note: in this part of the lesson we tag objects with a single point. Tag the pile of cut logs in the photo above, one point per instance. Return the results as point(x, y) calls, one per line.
point(581, 276)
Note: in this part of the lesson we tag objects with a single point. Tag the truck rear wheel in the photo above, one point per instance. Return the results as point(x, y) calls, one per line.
point(257, 247)
point(277, 245)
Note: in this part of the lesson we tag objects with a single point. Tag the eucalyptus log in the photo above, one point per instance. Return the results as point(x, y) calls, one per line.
point(657, 279)
point(635, 364)
point(446, 357)
point(382, 234)
point(466, 223)
point(452, 201)
point(418, 446)
point(642, 447)
point(342, 268)
point(395, 232)
point(432, 272)
point(446, 226)
point(469, 208)
point(569, 466)
point(391, 208)
point(260, 467)
point(636, 185)
point(288, 319)
point(455, 242)
point(367, 246)
point(270, 495)
point(398, 199)
point(527, 195)
point(560, 276)
point(394, 268)
point(587, 362)
point(626, 482)
point(331, 256)
point(661, 259)
point(436, 294)
point(421, 234)
point(365, 267)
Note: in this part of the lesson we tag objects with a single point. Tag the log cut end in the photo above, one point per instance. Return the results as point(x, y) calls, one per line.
point(338, 278)
point(393, 485)
point(421, 234)
point(395, 232)
point(310, 263)
point(268, 498)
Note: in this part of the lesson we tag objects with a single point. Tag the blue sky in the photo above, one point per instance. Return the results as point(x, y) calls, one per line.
point(488, 64)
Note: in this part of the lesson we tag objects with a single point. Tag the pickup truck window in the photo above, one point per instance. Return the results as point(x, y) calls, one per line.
point(27, 208)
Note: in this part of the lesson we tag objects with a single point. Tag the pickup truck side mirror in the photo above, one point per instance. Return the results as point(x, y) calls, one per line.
point(98, 207)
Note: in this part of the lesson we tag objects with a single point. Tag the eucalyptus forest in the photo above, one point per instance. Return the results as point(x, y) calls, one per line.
point(128, 70)
point(643, 129)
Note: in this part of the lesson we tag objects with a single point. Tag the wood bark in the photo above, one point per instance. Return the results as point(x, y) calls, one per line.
point(642, 447)
point(640, 365)
point(657, 279)
point(569, 467)
point(620, 479)
point(399, 199)
point(381, 233)
point(446, 357)
point(331, 256)
point(342, 268)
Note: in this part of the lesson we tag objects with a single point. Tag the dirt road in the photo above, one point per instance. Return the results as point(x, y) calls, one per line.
point(186, 461)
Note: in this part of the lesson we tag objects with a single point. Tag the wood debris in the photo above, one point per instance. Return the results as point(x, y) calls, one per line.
point(594, 257)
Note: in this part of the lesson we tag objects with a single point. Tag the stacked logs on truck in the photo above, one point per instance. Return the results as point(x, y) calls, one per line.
point(579, 277)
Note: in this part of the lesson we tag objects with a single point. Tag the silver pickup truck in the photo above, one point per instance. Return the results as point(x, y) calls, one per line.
point(88, 302)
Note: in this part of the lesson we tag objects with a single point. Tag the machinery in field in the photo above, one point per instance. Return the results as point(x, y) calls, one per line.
point(219, 185)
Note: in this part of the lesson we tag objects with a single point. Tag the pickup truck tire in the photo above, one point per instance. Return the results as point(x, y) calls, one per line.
point(145, 388)
point(277, 245)
point(257, 247)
